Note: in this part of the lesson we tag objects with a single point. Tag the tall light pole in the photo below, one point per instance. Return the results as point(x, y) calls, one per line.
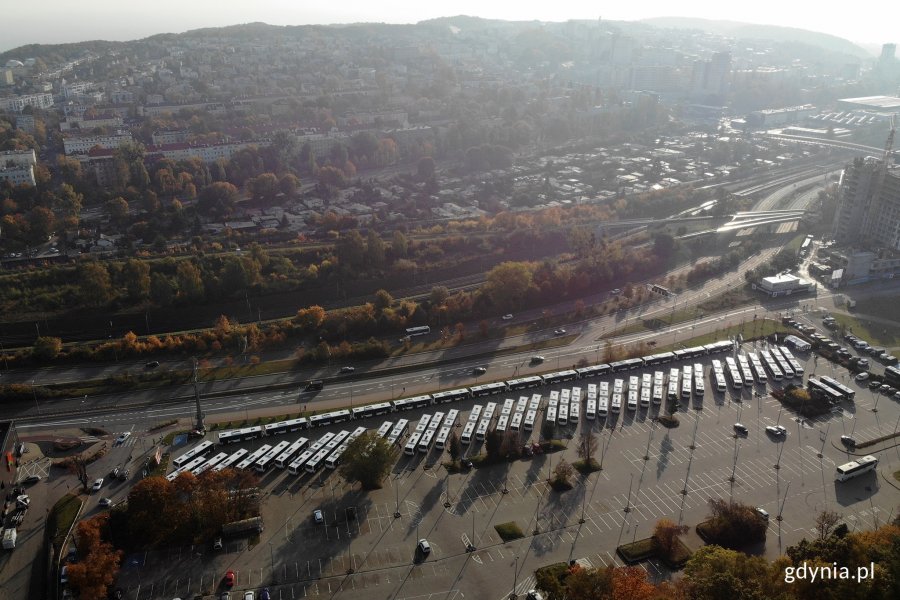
point(515, 579)
point(272, 557)
point(34, 393)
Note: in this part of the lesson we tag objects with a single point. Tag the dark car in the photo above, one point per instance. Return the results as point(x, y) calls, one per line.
point(351, 513)
point(152, 364)
point(848, 441)
point(479, 371)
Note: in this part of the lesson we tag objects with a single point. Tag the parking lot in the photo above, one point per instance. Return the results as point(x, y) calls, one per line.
point(649, 472)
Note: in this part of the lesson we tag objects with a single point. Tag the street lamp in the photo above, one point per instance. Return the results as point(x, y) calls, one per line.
point(515, 579)
point(34, 393)
point(272, 557)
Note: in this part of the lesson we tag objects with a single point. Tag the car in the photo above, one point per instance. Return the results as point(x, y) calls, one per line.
point(886, 389)
point(264, 594)
point(98, 483)
point(123, 436)
point(225, 596)
point(874, 384)
point(479, 370)
point(862, 376)
point(876, 351)
point(559, 331)
point(776, 430)
point(741, 429)
point(347, 369)
point(217, 544)
point(64, 575)
point(763, 513)
point(424, 547)
point(863, 363)
point(537, 448)
point(533, 595)
point(114, 474)
point(615, 292)
point(249, 595)
point(896, 395)
point(229, 578)
point(32, 479)
point(124, 474)
point(350, 511)
point(507, 317)
point(152, 364)
point(537, 359)
point(848, 441)
point(318, 517)
point(72, 555)
point(105, 502)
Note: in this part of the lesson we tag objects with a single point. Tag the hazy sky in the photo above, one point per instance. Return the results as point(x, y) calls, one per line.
point(57, 21)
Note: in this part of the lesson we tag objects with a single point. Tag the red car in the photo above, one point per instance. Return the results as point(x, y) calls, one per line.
point(229, 578)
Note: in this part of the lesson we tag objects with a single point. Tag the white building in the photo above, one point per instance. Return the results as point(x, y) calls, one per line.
point(81, 145)
point(785, 284)
point(18, 175)
point(18, 103)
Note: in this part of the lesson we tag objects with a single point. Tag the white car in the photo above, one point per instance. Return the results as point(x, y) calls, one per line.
point(105, 502)
point(862, 376)
point(560, 331)
point(424, 547)
point(122, 437)
point(763, 513)
point(98, 483)
point(776, 430)
point(507, 317)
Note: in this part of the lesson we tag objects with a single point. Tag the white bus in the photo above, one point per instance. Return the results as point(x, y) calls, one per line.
point(422, 425)
point(632, 400)
point(576, 394)
point(604, 388)
point(399, 430)
point(489, 411)
point(699, 386)
point(855, 468)
point(562, 417)
point(210, 464)
point(468, 430)
point(412, 443)
point(522, 404)
point(592, 391)
point(508, 405)
point(516, 423)
point(482, 429)
point(425, 441)
point(687, 374)
point(334, 459)
point(199, 450)
point(282, 461)
point(436, 421)
point(633, 383)
point(476, 413)
point(231, 460)
point(554, 398)
point(313, 464)
point(616, 402)
point(602, 407)
point(618, 386)
point(535, 402)
point(574, 413)
point(645, 397)
point(530, 418)
point(262, 465)
point(657, 393)
point(646, 381)
point(451, 419)
point(385, 429)
point(440, 442)
point(721, 386)
point(502, 423)
point(550, 415)
point(590, 412)
point(251, 459)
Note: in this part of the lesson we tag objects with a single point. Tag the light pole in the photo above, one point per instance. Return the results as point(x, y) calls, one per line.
point(272, 557)
point(34, 393)
point(515, 579)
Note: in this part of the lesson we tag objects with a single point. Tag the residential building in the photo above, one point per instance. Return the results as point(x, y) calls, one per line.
point(82, 144)
point(18, 175)
point(868, 210)
point(18, 103)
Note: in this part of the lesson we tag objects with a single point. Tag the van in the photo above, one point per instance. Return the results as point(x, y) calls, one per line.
point(424, 547)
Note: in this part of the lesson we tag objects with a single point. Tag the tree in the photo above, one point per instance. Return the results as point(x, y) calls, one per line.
point(162, 289)
point(399, 244)
point(548, 429)
point(91, 576)
point(367, 459)
point(95, 285)
point(77, 465)
point(46, 348)
point(507, 284)
point(383, 301)
point(217, 200)
point(117, 209)
point(40, 224)
point(589, 584)
point(663, 244)
point(493, 442)
point(310, 319)
point(264, 186)
point(289, 184)
point(826, 521)
point(455, 447)
point(438, 296)
point(351, 250)
point(666, 534)
point(137, 279)
point(562, 472)
point(587, 445)
point(190, 281)
point(376, 249)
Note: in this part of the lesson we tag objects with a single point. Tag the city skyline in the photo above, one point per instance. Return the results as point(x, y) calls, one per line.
point(108, 20)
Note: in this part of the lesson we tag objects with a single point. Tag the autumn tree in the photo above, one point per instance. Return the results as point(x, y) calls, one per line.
point(376, 249)
point(46, 348)
point(162, 289)
point(190, 281)
point(666, 533)
point(399, 244)
point(587, 446)
point(826, 521)
point(383, 301)
point(562, 472)
point(95, 284)
point(507, 284)
point(589, 584)
point(367, 459)
point(217, 200)
point(630, 583)
point(351, 250)
point(263, 187)
point(454, 447)
point(41, 223)
point(77, 465)
point(96, 571)
point(310, 319)
point(117, 209)
point(137, 279)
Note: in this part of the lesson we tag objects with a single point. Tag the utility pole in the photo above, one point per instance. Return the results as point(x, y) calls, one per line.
point(199, 426)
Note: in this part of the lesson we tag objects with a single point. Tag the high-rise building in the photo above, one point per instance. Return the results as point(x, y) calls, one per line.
point(868, 210)
point(888, 52)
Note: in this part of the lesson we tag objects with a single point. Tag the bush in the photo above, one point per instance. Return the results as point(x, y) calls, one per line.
point(732, 525)
point(509, 531)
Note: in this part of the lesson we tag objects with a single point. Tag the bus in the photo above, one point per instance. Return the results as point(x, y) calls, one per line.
point(251, 458)
point(231, 460)
point(288, 426)
point(535, 402)
point(646, 381)
point(562, 415)
point(633, 383)
point(657, 393)
point(282, 461)
point(592, 371)
point(210, 464)
point(265, 461)
point(559, 377)
point(717, 366)
point(632, 400)
point(468, 431)
point(554, 399)
point(626, 365)
point(414, 331)
point(482, 429)
point(422, 425)
point(590, 412)
point(848, 394)
point(645, 397)
point(199, 450)
point(574, 413)
point(717, 347)
point(399, 430)
point(440, 442)
point(334, 459)
point(855, 467)
point(451, 419)
point(699, 386)
point(516, 423)
point(488, 389)
point(187, 467)
point(602, 407)
point(313, 464)
point(385, 430)
point(412, 444)
point(530, 418)
point(372, 410)
point(672, 385)
point(550, 415)
point(425, 441)
point(240, 435)
point(436, 420)
point(658, 289)
point(892, 376)
point(299, 462)
point(616, 402)
point(489, 411)
point(658, 359)
point(502, 423)
point(522, 404)
point(475, 414)
point(721, 385)
point(330, 418)
point(411, 403)
point(576, 394)
point(524, 382)
point(508, 406)
point(618, 386)
point(452, 395)
point(687, 374)
point(820, 389)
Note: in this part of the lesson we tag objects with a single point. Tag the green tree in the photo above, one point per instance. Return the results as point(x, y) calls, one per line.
point(508, 283)
point(368, 460)
point(351, 250)
point(190, 281)
point(239, 274)
point(493, 442)
point(587, 445)
point(399, 244)
point(117, 209)
point(438, 296)
point(137, 279)
point(40, 224)
point(70, 201)
point(217, 200)
point(455, 447)
point(376, 249)
point(383, 301)
point(46, 348)
point(264, 187)
point(95, 284)
point(663, 244)
point(162, 290)
point(288, 185)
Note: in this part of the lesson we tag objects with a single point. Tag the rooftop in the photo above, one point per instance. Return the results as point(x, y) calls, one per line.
point(875, 101)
